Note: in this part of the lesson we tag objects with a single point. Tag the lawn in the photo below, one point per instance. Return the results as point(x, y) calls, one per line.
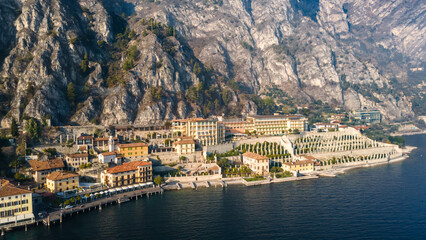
point(254, 179)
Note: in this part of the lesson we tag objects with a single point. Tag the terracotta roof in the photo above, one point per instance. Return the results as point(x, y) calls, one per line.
point(126, 145)
point(45, 165)
point(238, 130)
point(255, 156)
point(361, 127)
point(10, 190)
point(3, 182)
point(104, 139)
point(107, 153)
point(85, 137)
point(128, 166)
point(216, 167)
point(308, 157)
point(78, 155)
point(59, 175)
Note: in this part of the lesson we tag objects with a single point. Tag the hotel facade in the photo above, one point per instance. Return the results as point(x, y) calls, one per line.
point(16, 204)
point(62, 181)
point(127, 174)
point(206, 132)
point(277, 124)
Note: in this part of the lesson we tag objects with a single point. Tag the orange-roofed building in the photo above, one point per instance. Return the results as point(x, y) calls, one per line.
point(127, 174)
point(62, 181)
point(40, 169)
point(133, 151)
point(75, 160)
point(16, 205)
point(257, 163)
point(185, 145)
point(299, 166)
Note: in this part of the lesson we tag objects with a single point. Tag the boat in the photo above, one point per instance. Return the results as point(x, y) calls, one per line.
point(123, 200)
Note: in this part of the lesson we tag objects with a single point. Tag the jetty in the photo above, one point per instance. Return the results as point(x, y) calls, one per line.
point(58, 215)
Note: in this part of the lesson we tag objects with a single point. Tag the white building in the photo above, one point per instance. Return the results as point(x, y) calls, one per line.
point(109, 157)
point(257, 163)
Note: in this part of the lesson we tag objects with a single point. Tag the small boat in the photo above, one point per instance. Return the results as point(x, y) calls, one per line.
point(123, 200)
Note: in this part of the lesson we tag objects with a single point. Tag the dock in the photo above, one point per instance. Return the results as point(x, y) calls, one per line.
point(59, 215)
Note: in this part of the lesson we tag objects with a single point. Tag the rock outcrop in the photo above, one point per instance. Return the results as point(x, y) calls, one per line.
point(336, 51)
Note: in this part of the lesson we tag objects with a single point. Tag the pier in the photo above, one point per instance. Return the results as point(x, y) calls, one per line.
point(59, 215)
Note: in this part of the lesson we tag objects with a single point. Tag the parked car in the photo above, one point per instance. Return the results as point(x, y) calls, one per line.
point(68, 206)
point(42, 214)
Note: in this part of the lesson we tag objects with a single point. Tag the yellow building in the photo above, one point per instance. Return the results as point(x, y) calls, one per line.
point(75, 160)
point(237, 125)
point(62, 181)
point(16, 205)
point(185, 145)
point(299, 166)
point(133, 150)
point(278, 124)
point(257, 163)
point(40, 169)
point(206, 132)
point(127, 174)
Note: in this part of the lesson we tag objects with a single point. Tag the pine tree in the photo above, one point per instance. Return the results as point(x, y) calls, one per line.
point(71, 93)
point(14, 128)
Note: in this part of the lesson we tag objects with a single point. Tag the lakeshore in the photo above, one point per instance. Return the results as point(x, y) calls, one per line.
point(361, 203)
point(56, 217)
point(318, 155)
point(313, 175)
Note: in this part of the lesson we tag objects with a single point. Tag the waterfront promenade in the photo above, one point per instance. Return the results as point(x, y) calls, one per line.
point(59, 215)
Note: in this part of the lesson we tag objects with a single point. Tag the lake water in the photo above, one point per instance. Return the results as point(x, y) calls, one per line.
point(384, 202)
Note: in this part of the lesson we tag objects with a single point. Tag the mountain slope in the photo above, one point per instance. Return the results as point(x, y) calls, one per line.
point(145, 62)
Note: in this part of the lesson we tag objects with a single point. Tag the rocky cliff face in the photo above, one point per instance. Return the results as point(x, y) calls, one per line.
point(129, 69)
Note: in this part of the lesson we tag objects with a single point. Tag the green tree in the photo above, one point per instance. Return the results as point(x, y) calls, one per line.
point(78, 198)
point(51, 152)
point(158, 180)
point(17, 163)
point(67, 202)
point(33, 129)
point(71, 93)
point(84, 64)
point(128, 64)
point(132, 35)
point(14, 128)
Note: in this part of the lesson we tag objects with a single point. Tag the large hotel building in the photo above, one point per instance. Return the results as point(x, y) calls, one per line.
point(206, 132)
point(269, 124)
